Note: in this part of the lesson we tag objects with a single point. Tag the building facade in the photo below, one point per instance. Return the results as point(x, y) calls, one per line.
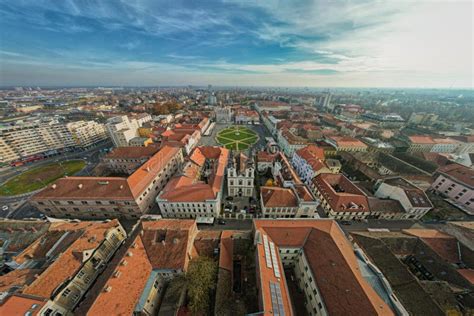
point(240, 176)
point(110, 197)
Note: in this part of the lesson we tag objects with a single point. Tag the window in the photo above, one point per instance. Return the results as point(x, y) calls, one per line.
point(66, 292)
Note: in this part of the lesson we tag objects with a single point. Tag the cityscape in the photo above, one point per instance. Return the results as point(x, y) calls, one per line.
point(236, 158)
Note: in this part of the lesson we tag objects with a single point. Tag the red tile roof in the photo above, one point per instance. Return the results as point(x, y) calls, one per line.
point(123, 289)
point(421, 139)
point(117, 188)
point(168, 242)
point(459, 173)
point(332, 262)
point(340, 193)
point(278, 197)
point(132, 152)
point(187, 187)
point(446, 246)
point(68, 263)
point(21, 305)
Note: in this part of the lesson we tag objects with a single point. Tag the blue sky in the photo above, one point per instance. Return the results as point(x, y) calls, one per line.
point(270, 43)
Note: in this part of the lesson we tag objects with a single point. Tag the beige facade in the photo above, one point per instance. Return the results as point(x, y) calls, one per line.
point(87, 133)
point(122, 129)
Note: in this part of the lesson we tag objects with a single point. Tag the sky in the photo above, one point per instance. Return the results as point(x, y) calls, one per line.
point(329, 43)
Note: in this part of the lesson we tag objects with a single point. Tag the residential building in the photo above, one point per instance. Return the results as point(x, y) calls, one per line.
point(87, 133)
point(240, 176)
point(423, 118)
point(246, 116)
point(110, 197)
point(309, 162)
point(22, 141)
point(197, 191)
point(340, 198)
point(289, 142)
point(126, 160)
point(122, 128)
point(324, 266)
point(420, 143)
point(414, 200)
point(456, 182)
point(140, 141)
point(466, 144)
point(345, 143)
point(287, 196)
point(74, 269)
point(445, 145)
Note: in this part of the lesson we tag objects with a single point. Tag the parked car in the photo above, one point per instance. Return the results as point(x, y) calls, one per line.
point(227, 210)
point(221, 222)
point(5, 208)
point(229, 198)
point(346, 223)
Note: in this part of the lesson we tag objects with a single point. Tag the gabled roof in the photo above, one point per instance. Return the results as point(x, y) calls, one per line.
point(278, 197)
point(168, 242)
point(123, 289)
point(68, 263)
point(187, 187)
point(459, 173)
point(332, 262)
point(340, 193)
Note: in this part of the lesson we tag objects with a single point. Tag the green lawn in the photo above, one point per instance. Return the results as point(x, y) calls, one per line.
point(39, 177)
point(237, 138)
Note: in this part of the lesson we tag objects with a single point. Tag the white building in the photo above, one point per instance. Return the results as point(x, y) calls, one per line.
point(223, 114)
point(413, 199)
point(456, 182)
point(309, 162)
point(240, 176)
point(87, 133)
point(122, 128)
point(197, 192)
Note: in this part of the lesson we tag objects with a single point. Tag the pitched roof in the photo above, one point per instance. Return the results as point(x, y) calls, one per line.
point(124, 288)
point(68, 263)
point(446, 246)
point(341, 193)
point(187, 187)
point(459, 173)
point(21, 305)
point(118, 188)
point(415, 195)
point(332, 262)
point(421, 139)
point(278, 197)
point(311, 152)
point(17, 278)
point(132, 152)
point(168, 242)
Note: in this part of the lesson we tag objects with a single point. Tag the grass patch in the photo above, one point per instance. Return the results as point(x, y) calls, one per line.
point(39, 177)
point(237, 138)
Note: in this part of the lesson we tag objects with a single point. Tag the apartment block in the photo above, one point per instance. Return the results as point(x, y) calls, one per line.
point(340, 198)
point(414, 200)
point(87, 133)
point(287, 196)
point(122, 128)
point(345, 143)
point(456, 182)
point(309, 162)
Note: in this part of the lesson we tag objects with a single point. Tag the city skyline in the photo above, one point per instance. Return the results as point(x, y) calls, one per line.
point(312, 43)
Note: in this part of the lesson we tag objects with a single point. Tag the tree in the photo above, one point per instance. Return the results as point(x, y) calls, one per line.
point(201, 279)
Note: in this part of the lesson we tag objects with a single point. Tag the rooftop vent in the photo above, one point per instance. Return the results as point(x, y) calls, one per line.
point(54, 186)
point(80, 186)
point(103, 182)
point(117, 274)
point(108, 289)
point(124, 263)
point(129, 254)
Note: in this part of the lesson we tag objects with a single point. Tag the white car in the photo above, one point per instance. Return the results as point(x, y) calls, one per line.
point(5, 208)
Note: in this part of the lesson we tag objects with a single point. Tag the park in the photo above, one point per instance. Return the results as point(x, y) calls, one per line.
point(237, 137)
point(39, 177)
